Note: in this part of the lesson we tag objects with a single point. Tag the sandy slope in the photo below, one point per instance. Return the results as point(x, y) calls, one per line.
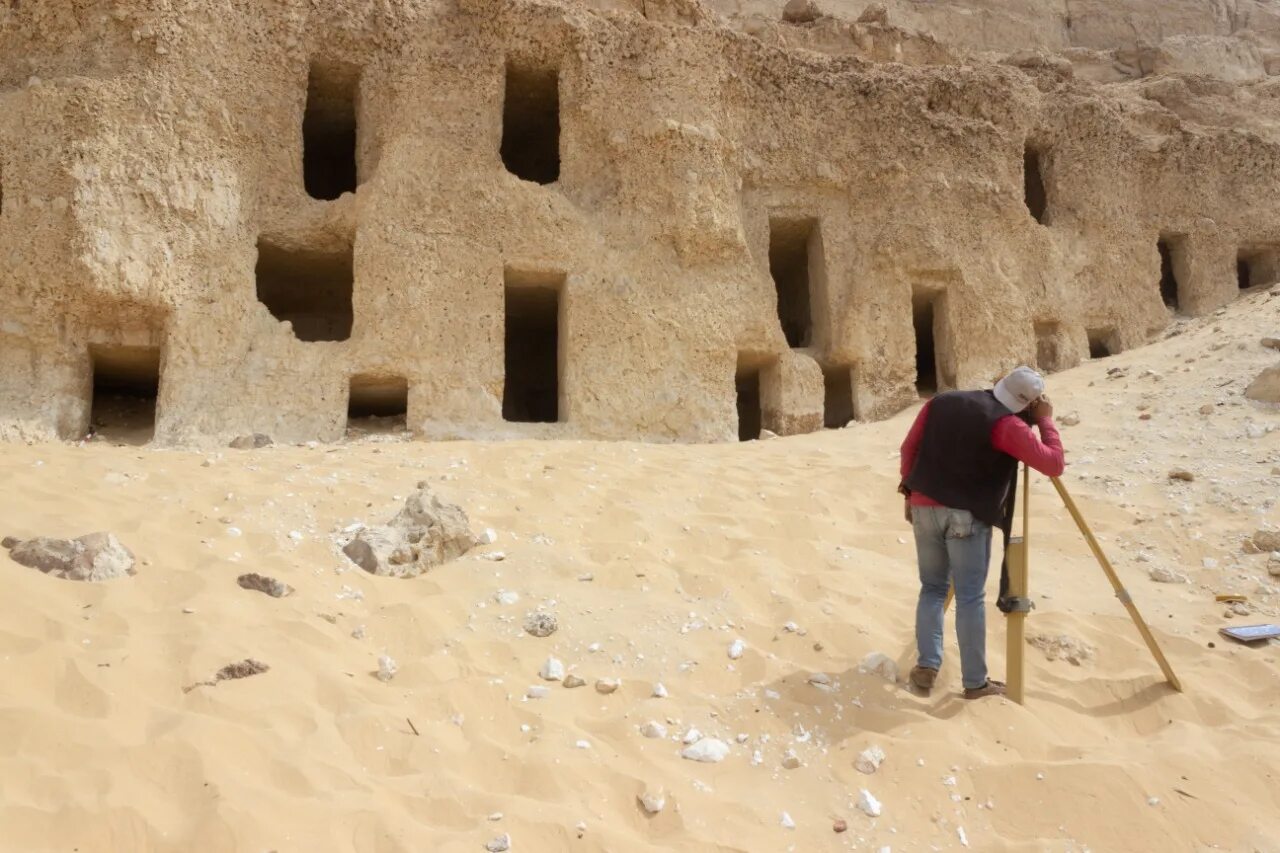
point(690, 547)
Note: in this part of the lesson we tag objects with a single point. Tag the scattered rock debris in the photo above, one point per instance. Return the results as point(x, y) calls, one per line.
point(240, 669)
point(262, 583)
point(1062, 647)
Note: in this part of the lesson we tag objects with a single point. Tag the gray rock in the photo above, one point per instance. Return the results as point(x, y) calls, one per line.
point(93, 557)
point(424, 534)
point(251, 442)
point(262, 583)
point(540, 624)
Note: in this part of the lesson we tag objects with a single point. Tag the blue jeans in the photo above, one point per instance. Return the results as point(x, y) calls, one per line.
point(953, 547)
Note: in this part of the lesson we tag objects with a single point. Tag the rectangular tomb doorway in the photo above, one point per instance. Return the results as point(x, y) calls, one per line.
point(747, 387)
point(312, 290)
point(837, 399)
point(377, 403)
point(1173, 269)
point(329, 130)
point(532, 339)
point(1256, 267)
point(1102, 343)
point(928, 323)
point(126, 384)
point(530, 147)
point(791, 250)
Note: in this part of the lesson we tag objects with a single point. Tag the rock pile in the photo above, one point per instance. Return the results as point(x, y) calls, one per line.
point(92, 557)
point(424, 534)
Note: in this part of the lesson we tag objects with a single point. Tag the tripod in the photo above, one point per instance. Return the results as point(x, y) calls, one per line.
point(1019, 605)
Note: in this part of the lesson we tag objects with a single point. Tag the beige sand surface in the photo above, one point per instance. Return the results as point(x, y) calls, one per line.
point(689, 548)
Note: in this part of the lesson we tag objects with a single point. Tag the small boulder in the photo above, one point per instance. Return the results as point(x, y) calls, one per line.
point(708, 750)
point(869, 760)
point(501, 844)
point(250, 442)
point(653, 729)
point(1181, 474)
point(1271, 343)
point(653, 800)
point(607, 685)
point(93, 557)
point(552, 670)
point(801, 12)
point(1070, 420)
point(790, 761)
point(387, 668)
point(878, 663)
point(869, 805)
point(875, 13)
point(571, 681)
point(1265, 388)
point(425, 533)
point(1160, 574)
point(1266, 540)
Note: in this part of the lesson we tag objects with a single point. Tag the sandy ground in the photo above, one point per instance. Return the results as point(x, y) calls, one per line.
point(686, 548)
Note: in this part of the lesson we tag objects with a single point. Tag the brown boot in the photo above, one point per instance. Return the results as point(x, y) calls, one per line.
point(991, 688)
point(922, 678)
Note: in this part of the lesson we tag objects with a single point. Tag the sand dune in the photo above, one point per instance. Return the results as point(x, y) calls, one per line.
point(687, 548)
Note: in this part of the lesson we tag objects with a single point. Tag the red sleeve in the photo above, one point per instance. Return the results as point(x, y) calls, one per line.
point(911, 444)
point(1011, 435)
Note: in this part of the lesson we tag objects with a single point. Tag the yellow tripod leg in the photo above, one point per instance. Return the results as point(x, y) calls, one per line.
point(1121, 592)
point(1016, 619)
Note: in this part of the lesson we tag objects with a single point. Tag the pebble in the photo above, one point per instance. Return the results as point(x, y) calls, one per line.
point(840, 825)
point(1160, 574)
point(653, 729)
point(691, 736)
point(571, 681)
point(493, 556)
point(1181, 474)
point(1206, 409)
point(868, 804)
point(1070, 420)
point(736, 648)
point(488, 537)
point(786, 821)
point(506, 596)
point(709, 750)
point(582, 744)
point(1153, 801)
point(607, 685)
point(869, 760)
point(659, 691)
point(552, 670)
point(790, 760)
point(537, 691)
point(499, 844)
point(387, 668)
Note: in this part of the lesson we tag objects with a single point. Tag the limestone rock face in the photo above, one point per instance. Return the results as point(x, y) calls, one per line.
point(93, 557)
point(425, 533)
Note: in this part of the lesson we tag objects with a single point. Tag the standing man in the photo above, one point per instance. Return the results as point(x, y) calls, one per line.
point(959, 463)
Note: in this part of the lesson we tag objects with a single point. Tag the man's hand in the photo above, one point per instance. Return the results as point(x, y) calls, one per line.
point(1041, 408)
point(906, 509)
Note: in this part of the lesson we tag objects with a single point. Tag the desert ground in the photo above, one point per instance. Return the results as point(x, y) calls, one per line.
point(655, 560)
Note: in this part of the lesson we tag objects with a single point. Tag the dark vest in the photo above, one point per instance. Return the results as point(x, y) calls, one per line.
point(956, 464)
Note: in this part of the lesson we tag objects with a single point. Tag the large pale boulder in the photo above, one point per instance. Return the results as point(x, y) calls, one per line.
point(425, 533)
point(92, 557)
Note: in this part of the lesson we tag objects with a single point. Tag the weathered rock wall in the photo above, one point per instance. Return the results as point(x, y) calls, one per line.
point(141, 176)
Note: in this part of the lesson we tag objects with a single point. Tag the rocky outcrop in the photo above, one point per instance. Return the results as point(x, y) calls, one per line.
point(93, 557)
point(425, 533)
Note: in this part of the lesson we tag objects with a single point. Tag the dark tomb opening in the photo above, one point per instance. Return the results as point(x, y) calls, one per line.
point(378, 402)
point(126, 382)
point(1033, 192)
point(329, 130)
point(531, 123)
point(1102, 343)
point(750, 418)
point(837, 401)
point(531, 390)
point(789, 242)
point(1171, 265)
point(310, 289)
point(922, 317)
